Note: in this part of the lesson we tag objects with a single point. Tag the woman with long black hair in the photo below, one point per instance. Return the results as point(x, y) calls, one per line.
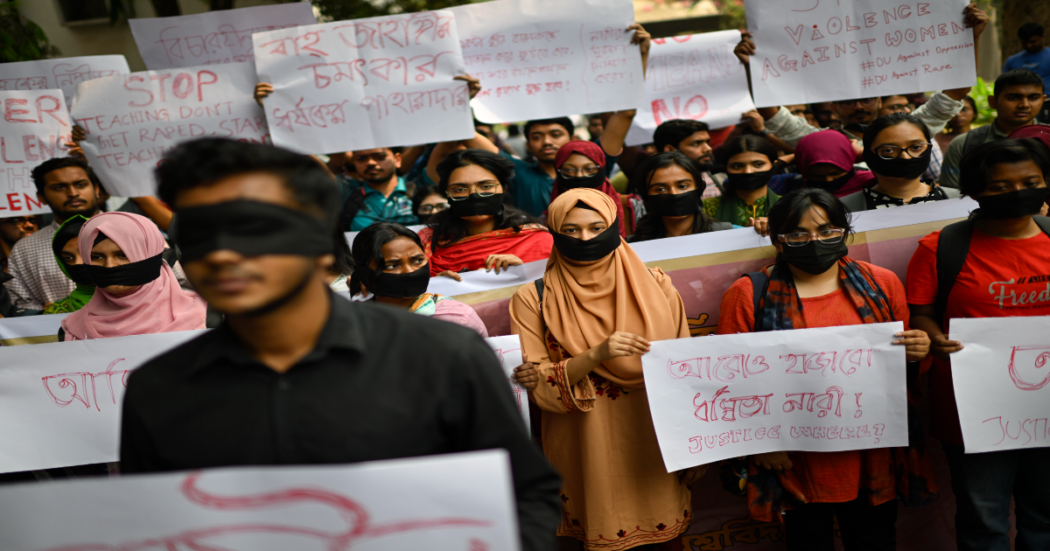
point(671, 185)
point(749, 162)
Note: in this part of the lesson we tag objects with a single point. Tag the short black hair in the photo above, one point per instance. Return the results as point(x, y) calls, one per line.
point(398, 149)
point(974, 166)
point(1028, 30)
point(675, 131)
point(882, 123)
point(1017, 77)
point(787, 212)
point(208, 160)
point(421, 194)
point(368, 248)
point(565, 122)
point(57, 163)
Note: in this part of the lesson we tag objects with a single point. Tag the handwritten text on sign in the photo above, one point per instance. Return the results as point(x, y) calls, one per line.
point(827, 389)
point(459, 502)
point(508, 350)
point(548, 58)
point(1002, 382)
point(214, 37)
point(380, 82)
point(818, 50)
point(132, 120)
point(63, 73)
point(35, 127)
point(692, 77)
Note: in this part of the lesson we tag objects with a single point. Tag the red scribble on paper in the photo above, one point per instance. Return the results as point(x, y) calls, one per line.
point(67, 381)
point(1040, 363)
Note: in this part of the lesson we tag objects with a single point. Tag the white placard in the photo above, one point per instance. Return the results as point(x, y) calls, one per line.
point(821, 390)
point(508, 350)
point(223, 36)
point(60, 403)
point(458, 502)
point(810, 51)
point(692, 77)
point(131, 121)
point(63, 73)
point(36, 127)
point(538, 59)
point(1002, 381)
point(378, 82)
point(28, 327)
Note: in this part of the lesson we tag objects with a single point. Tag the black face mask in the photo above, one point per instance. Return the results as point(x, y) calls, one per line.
point(900, 167)
point(135, 273)
point(749, 181)
point(592, 182)
point(411, 284)
point(832, 185)
point(673, 204)
point(476, 205)
point(78, 273)
point(1013, 204)
point(815, 257)
point(597, 248)
point(250, 228)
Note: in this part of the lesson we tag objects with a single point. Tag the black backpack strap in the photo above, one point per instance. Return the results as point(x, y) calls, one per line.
point(759, 286)
point(1043, 222)
point(539, 293)
point(953, 245)
point(351, 207)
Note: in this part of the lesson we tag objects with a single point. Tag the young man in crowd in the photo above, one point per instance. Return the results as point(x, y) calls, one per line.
point(381, 195)
point(1035, 57)
point(11, 231)
point(296, 375)
point(1017, 98)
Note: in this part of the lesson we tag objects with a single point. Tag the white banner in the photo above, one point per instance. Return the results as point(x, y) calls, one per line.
point(132, 120)
point(538, 59)
point(692, 77)
point(1002, 381)
point(63, 73)
point(36, 125)
point(821, 390)
point(60, 403)
point(379, 82)
point(29, 329)
point(223, 36)
point(809, 52)
point(458, 502)
point(508, 350)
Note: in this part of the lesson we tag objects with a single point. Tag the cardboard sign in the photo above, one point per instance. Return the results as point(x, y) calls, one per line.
point(810, 51)
point(132, 120)
point(1002, 381)
point(215, 37)
point(379, 82)
point(508, 350)
point(62, 73)
point(459, 502)
point(821, 390)
point(539, 59)
point(30, 329)
point(692, 77)
point(36, 127)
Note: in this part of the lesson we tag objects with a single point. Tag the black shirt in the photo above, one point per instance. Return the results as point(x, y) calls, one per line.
point(380, 384)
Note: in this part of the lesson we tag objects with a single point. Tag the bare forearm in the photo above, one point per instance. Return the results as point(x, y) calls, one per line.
point(579, 366)
point(154, 210)
point(927, 324)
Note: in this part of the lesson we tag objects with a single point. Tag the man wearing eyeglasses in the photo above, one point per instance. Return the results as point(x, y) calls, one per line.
point(11, 230)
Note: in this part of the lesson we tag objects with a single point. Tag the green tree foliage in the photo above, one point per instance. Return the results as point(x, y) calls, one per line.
point(339, 10)
point(20, 38)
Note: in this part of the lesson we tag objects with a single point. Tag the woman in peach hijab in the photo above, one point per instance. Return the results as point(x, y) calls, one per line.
point(601, 307)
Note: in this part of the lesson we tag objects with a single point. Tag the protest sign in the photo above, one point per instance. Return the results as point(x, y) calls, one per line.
point(63, 73)
point(36, 127)
point(539, 59)
point(458, 502)
point(215, 37)
point(30, 329)
point(809, 51)
point(132, 120)
point(60, 402)
point(379, 82)
point(821, 390)
point(692, 77)
point(1002, 379)
point(508, 350)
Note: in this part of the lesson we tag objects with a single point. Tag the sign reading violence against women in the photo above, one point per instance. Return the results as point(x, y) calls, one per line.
point(822, 390)
point(131, 121)
point(810, 51)
point(36, 127)
point(379, 82)
point(538, 59)
point(1002, 378)
point(508, 350)
point(223, 36)
point(692, 77)
point(459, 502)
point(60, 402)
point(62, 73)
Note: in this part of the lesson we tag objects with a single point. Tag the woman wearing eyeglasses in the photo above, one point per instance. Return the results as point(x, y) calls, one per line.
point(427, 202)
point(581, 164)
point(897, 149)
point(479, 229)
point(813, 283)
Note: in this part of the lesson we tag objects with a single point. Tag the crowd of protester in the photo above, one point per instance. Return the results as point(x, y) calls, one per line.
point(249, 239)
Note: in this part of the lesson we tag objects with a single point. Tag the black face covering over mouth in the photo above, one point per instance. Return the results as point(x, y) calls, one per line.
point(815, 257)
point(749, 181)
point(80, 274)
point(476, 205)
point(592, 182)
point(250, 228)
point(832, 185)
point(596, 248)
point(673, 204)
point(133, 274)
point(407, 285)
point(1013, 204)
point(899, 167)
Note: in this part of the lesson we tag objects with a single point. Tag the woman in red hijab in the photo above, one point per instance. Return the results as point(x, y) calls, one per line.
point(825, 161)
point(581, 164)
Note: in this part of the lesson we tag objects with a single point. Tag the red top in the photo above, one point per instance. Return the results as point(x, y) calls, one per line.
point(533, 242)
point(823, 477)
point(999, 274)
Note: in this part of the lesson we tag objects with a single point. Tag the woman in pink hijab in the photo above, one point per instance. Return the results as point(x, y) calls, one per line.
point(136, 291)
point(825, 160)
